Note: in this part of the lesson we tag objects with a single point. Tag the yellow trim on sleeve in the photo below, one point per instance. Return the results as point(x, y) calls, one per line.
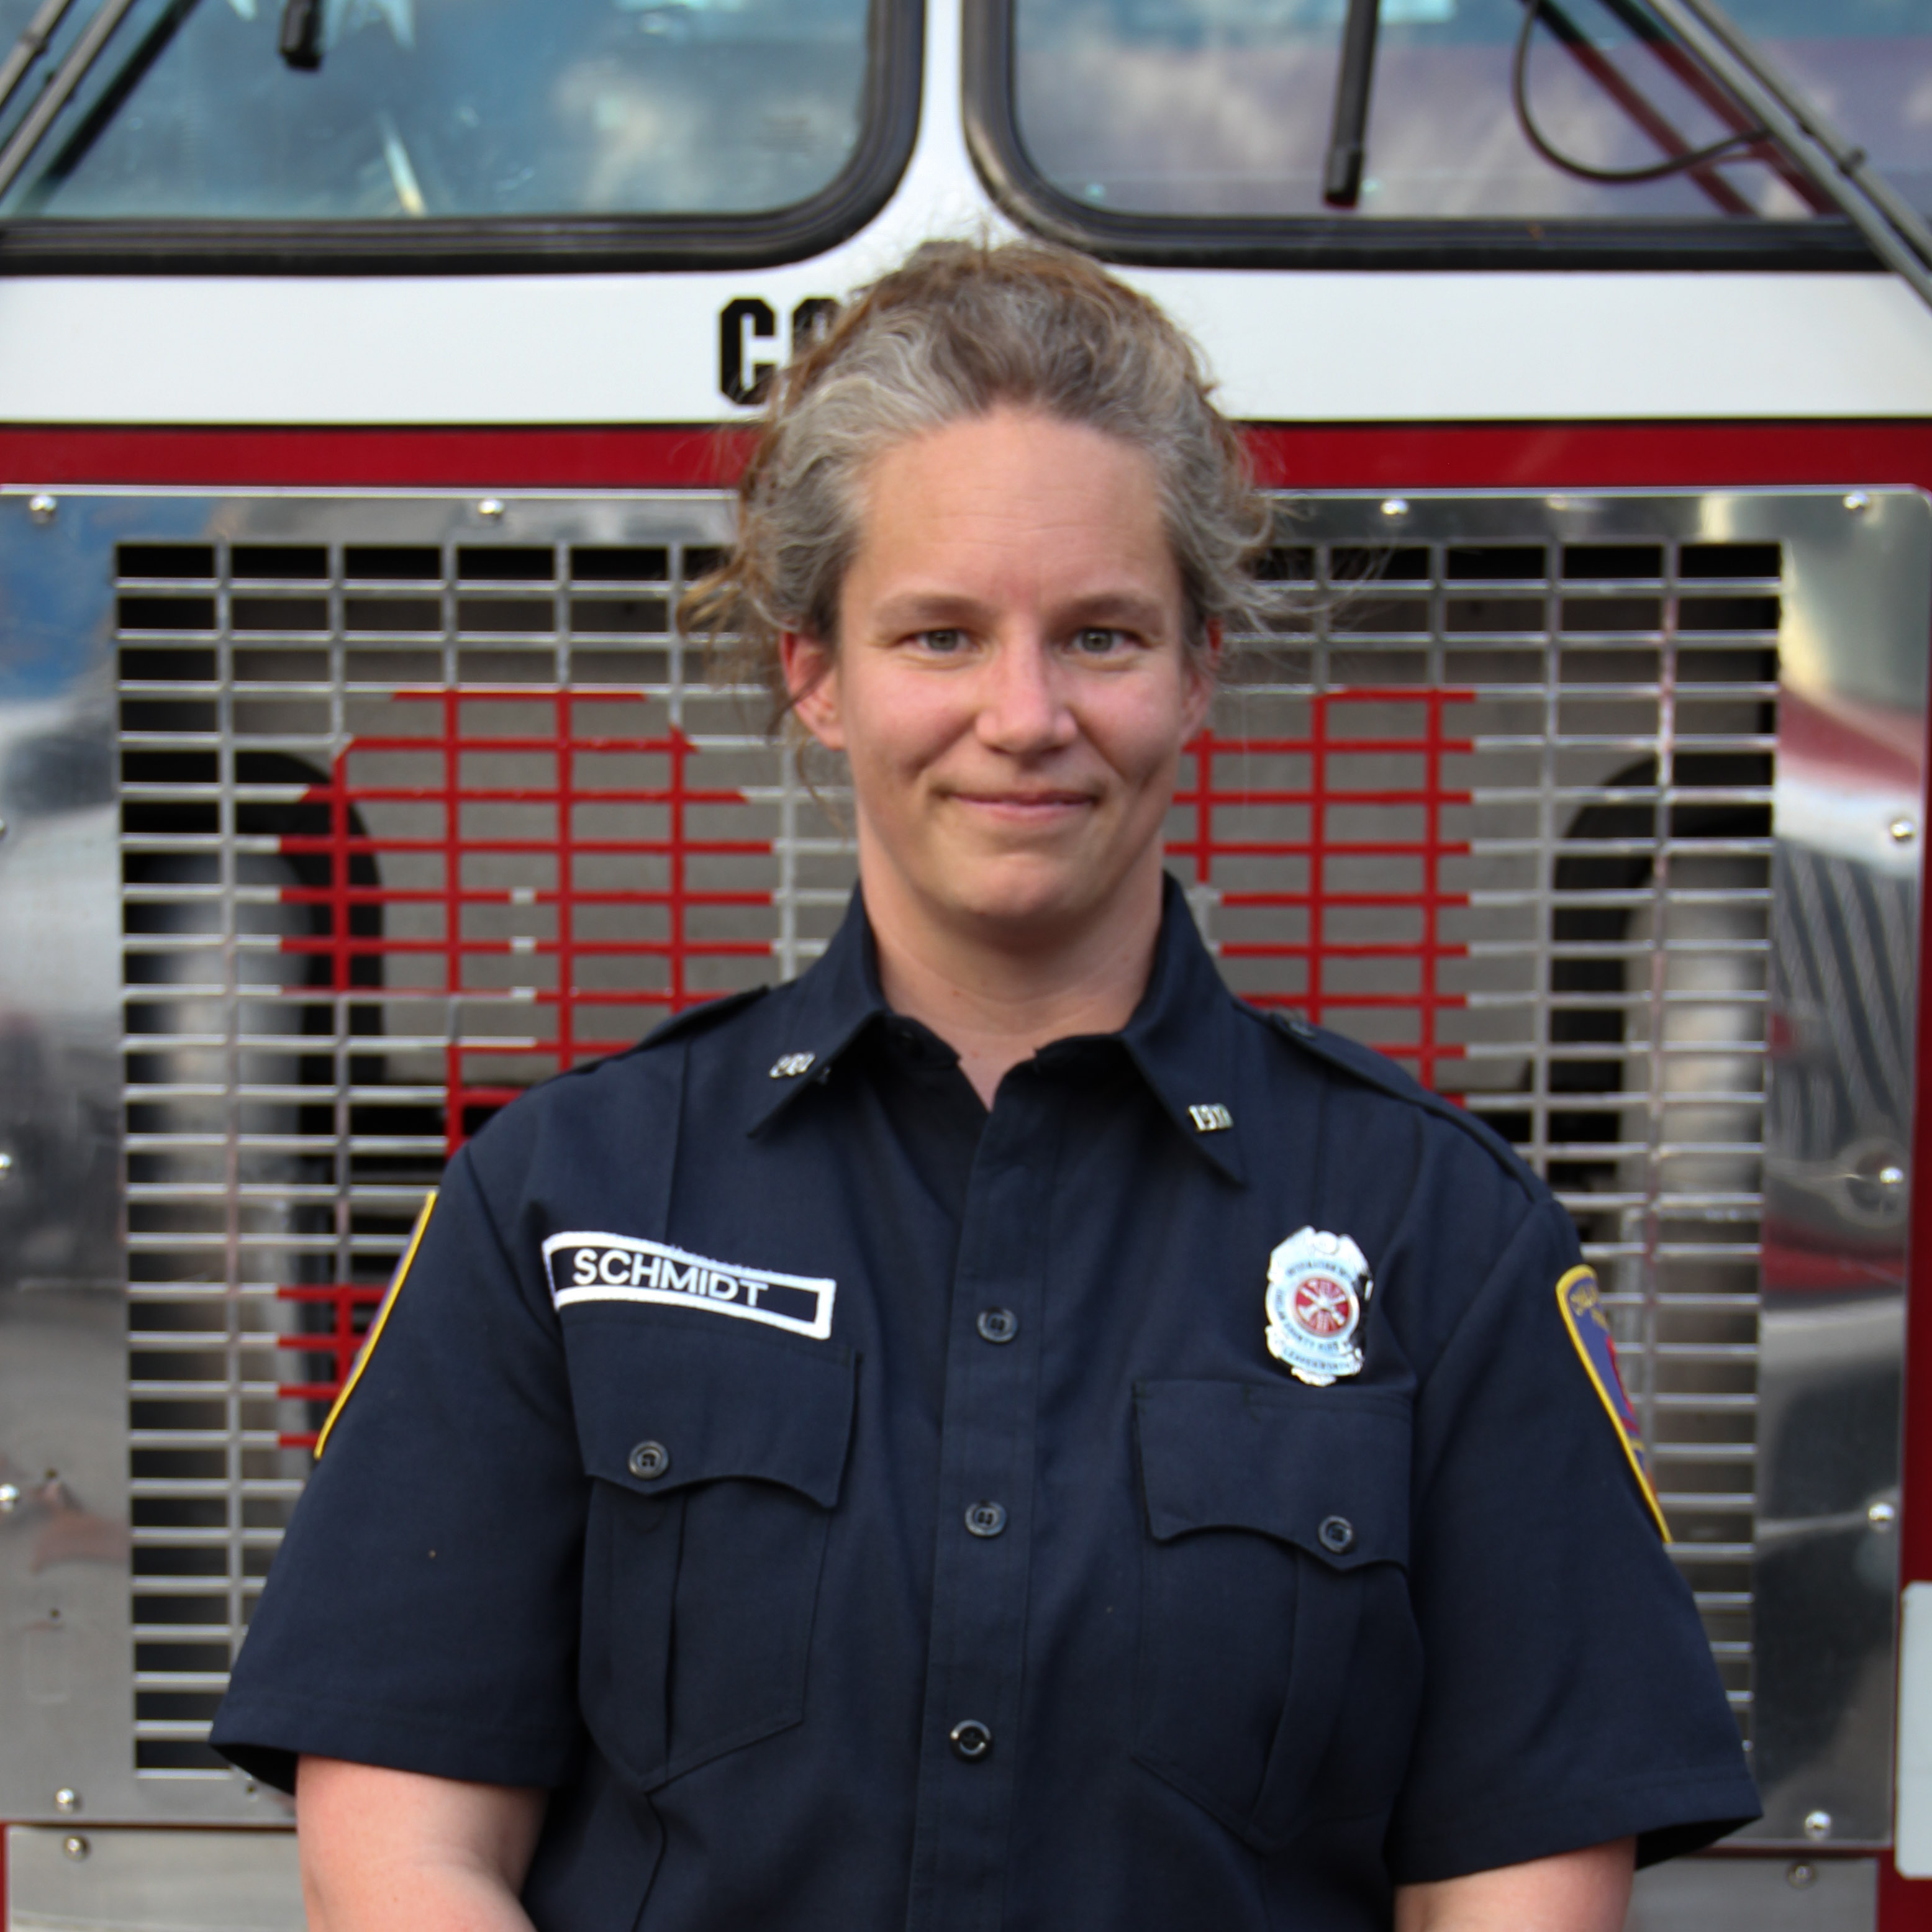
point(375, 1333)
point(1637, 1469)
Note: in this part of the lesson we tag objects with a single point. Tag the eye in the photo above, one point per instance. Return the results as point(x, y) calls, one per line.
point(941, 643)
point(1097, 640)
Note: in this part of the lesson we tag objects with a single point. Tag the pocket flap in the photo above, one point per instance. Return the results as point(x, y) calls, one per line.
point(661, 1406)
point(1324, 1469)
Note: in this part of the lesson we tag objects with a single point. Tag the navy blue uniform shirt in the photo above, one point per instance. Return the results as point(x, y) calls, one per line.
point(864, 1509)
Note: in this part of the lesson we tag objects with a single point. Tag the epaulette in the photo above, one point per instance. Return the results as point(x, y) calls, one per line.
point(698, 1018)
point(1377, 1070)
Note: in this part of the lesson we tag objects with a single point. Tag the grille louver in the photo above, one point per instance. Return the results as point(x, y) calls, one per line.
point(410, 823)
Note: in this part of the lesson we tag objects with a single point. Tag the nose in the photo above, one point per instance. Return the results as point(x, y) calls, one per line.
point(1023, 711)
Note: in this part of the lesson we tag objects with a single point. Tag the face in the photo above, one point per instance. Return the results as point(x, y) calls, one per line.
point(1011, 688)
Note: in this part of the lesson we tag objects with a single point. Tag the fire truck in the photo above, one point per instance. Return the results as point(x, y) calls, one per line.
point(372, 376)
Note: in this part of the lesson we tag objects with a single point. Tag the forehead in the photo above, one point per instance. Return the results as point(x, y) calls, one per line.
point(1015, 503)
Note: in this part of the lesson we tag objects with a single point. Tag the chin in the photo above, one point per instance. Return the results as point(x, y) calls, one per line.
point(1027, 901)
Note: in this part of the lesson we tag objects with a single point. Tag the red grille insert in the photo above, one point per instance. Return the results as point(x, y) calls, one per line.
point(1348, 784)
point(1360, 796)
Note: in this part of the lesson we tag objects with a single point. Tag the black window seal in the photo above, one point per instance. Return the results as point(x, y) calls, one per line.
point(534, 245)
point(1821, 243)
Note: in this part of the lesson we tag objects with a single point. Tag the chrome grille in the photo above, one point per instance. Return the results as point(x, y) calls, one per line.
point(417, 810)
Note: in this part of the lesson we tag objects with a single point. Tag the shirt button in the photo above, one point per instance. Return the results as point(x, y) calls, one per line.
point(1336, 1534)
point(970, 1740)
point(986, 1519)
point(648, 1461)
point(998, 1324)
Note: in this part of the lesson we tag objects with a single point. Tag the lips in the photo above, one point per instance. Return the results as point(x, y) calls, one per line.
point(1024, 806)
point(1039, 795)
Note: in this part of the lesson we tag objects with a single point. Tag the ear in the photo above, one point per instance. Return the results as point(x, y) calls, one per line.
point(811, 678)
point(1202, 673)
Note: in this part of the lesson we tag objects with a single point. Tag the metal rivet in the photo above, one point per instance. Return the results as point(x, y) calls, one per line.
point(1395, 506)
point(1856, 500)
point(67, 1800)
point(648, 1461)
point(1801, 1877)
point(1881, 1515)
point(986, 1519)
point(1817, 1826)
point(970, 1740)
point(42, 508)
point(1903, 830)
point(1336, 1534)
point(491, 507)
point(1892, 1176)
point(75, 1847)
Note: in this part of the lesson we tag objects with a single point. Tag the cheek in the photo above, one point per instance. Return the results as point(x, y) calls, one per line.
point(896, 727)
point(1143, 740)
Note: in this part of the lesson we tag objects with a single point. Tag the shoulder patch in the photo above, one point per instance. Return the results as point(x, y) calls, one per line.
point(376, 1327)
point(698, 1019)
point(1377, 1070)
point(1580, 1303)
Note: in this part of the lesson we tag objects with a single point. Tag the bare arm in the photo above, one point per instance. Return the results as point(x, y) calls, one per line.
point(392, 1851)
point(1577, 1891)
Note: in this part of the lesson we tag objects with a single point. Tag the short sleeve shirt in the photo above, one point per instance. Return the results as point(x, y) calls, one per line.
point(860, 1507)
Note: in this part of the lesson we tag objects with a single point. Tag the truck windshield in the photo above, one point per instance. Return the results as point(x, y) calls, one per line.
point(436, 108)
point(1224, 107)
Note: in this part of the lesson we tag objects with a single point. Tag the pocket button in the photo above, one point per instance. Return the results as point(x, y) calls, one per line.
point(1337, 1534)
point(649, 1460)
point(998, 1324)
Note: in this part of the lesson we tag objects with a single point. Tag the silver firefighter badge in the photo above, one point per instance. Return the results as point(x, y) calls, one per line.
point(1317, 1285)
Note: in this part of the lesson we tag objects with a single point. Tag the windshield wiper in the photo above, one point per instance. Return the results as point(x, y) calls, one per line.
point(28, 48)
point(1699, 164)
point(1896, 230)
point(74, 69)
point(1837, 168)
point(300, 40)
point(1702, 165)
point(1348, 126)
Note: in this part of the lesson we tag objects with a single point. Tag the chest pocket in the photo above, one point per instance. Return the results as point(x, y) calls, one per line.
point(1279, 1668)
point(717, 1460)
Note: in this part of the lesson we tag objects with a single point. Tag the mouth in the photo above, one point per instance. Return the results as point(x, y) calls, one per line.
point(1025, 808)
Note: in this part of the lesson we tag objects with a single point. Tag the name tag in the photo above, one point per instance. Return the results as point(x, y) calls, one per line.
point(621, 1267)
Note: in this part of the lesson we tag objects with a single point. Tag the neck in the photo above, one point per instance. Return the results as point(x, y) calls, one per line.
point(996, 998)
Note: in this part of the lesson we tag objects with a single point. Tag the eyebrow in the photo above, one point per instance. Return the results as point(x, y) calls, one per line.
point(928, 611)
point(938, 611)
point(1116, 607)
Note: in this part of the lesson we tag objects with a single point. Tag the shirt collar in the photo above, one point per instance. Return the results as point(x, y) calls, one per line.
point(834, 1000)
point(1181, 1038)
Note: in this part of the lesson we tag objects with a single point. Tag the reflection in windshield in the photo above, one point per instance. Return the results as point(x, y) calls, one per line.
point(1222, 107)
point(453, 107)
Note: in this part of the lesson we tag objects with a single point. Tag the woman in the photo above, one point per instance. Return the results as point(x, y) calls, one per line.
point(994, 1432)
